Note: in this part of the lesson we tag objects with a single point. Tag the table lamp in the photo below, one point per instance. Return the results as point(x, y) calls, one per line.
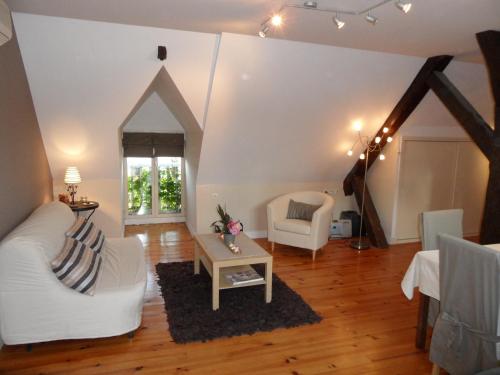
point(72, 179)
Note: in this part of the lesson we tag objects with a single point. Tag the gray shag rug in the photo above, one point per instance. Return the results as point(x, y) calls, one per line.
point(243, 311)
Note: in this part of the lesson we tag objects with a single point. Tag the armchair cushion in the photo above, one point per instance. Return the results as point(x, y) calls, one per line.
point(301, 210)
point(294, 226)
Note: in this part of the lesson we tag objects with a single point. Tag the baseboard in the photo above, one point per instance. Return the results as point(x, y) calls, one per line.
point(190, 228)
point(256, 233)
point(154, 220)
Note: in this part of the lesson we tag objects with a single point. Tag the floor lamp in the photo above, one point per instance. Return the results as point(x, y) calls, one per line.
point(370, 146)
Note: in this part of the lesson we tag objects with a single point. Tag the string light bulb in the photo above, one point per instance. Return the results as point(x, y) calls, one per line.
point(362, 156)
point(389, 139)
point(377, 139)
point(349, 153)
point(381, 157)
point(385, 129)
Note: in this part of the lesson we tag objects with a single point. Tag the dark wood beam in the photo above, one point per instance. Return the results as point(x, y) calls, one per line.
point(472, 122)
point(403, 109)
point(489, 42)
point(370, 217)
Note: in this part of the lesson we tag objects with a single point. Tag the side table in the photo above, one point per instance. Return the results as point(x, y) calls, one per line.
point(84, 206)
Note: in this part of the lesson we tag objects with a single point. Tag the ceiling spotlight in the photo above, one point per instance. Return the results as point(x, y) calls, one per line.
point(311, 4)
point(349, 153)
point(263, 32)
point(382, 157)
point(340, 24)
point(372, 19)
point(403, 6)
point(277, 20)
point(377, 139)
point(385, 129)
point(389, 139)
point(362, 156)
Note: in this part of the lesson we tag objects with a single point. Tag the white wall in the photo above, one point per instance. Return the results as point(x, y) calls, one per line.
point(153, 117)
point(85, 77)
point(281, 115)
point(247, 202)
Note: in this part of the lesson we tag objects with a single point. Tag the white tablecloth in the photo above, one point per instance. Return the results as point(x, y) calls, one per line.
point(424, 273)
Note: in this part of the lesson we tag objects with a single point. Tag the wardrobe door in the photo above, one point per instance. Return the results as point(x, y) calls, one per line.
point(470, 188)
point(426, 182)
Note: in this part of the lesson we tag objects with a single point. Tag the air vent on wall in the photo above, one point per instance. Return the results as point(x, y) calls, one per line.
point(5, 23)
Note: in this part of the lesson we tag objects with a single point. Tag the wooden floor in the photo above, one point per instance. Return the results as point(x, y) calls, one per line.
point(368, 326)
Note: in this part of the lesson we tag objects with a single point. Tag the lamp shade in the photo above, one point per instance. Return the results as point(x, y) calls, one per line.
point(72, 176)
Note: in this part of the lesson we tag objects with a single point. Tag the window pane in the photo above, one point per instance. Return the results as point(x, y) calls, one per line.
point(139, 186)
point(169, 185)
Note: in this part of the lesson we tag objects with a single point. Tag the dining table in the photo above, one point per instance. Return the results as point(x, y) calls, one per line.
point(423, 273)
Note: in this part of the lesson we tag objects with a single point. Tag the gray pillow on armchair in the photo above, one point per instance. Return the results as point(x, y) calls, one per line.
point(300, 210)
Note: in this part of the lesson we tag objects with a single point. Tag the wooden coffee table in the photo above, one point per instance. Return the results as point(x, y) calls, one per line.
point(218, 260)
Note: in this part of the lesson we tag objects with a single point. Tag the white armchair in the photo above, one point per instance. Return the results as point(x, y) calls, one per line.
point(311, 235)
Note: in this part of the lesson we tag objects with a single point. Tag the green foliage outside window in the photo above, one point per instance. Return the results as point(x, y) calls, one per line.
point(139, 191)
point(170, 190)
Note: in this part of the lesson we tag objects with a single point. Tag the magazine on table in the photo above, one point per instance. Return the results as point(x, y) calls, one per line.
point(244, 277)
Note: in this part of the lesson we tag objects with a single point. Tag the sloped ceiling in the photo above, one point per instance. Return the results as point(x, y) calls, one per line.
point(279, 111)
point(86, 76)
point(282, 111)
point(431, 27)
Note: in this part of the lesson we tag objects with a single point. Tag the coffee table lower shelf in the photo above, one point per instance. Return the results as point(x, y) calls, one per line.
point(224, 283)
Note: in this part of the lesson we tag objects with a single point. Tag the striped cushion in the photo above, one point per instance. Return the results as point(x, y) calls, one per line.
point(85, 231)
point(77, 266)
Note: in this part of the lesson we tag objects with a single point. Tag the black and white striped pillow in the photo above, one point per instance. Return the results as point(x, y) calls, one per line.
point(77, 266)
point(85, 231)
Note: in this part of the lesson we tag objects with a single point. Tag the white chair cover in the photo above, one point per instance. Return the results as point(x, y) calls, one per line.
point(465, 336)
point(433, 223)
point(443, 221)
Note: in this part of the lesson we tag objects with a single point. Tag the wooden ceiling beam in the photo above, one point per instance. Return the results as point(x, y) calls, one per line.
point(403, 109)
point(472, 122)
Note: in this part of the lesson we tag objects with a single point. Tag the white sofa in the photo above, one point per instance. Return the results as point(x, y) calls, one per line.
point(35, 306)
point(311, 235)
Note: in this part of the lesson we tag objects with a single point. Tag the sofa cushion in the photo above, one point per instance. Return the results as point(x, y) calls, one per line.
point(123, 264)
point(85, 231)
point(77, 266)
point(301, 210)
point(294, 226)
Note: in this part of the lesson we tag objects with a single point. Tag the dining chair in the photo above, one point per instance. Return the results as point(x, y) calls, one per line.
point(466, 337)
point(433, 223)
point(442, 221)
